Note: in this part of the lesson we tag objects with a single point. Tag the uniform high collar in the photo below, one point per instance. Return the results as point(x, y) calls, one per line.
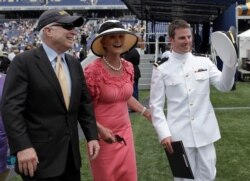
point(181, 56)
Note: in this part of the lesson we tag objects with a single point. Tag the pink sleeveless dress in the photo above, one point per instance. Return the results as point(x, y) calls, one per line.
point(115, 162)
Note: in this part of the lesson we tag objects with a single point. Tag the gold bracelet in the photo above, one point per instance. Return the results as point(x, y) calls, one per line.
point(143, 110)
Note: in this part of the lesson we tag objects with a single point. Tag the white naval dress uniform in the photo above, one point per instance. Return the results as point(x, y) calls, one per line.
point(185, 81)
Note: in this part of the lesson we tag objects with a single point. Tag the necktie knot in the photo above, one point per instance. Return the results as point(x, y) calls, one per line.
point(58, 58)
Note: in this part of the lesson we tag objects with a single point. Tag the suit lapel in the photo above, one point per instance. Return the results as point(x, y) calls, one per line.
point(73, 77)
point(46, 68)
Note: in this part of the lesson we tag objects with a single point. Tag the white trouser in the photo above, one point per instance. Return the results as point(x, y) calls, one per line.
point(203, 162)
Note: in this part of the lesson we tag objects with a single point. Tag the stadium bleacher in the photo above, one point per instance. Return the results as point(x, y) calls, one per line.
point(110, 2)
point(15, 30)
point(58, 2)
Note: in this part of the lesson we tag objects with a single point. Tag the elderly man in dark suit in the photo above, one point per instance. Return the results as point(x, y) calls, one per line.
point(45, 96)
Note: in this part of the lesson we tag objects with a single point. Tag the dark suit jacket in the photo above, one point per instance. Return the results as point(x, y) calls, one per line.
point(133, 56)
point(35, 114)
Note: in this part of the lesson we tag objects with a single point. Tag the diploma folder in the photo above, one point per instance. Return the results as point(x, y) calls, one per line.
point(178, 161)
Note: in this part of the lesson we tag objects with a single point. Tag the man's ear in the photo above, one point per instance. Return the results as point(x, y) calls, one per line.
point(48, 31)
point(170, 39)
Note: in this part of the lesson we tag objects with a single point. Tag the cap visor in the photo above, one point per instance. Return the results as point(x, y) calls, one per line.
point(75, 20)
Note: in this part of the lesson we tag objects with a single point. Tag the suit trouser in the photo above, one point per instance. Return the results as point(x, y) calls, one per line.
point(135, 89)
point(203, 163)
point(70, 173)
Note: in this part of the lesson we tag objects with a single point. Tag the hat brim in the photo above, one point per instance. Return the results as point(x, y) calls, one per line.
point(74, 20)
point(130, 41)
point(224, 48)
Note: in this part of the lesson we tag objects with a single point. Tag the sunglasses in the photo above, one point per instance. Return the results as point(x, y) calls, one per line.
point(120, 139)
point(65, 26)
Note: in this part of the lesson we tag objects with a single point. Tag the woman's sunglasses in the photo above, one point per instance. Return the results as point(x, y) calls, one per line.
point(120, 139)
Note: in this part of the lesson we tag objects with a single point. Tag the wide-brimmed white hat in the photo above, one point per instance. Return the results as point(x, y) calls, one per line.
point(113, 27)
point(225, 46)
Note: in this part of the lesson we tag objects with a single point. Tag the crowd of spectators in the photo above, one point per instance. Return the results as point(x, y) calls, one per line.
point(19, 35)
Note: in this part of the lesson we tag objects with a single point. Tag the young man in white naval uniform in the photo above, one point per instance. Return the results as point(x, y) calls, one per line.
point(185, 80)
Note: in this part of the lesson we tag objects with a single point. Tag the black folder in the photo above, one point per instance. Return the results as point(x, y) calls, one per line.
point(178, 161)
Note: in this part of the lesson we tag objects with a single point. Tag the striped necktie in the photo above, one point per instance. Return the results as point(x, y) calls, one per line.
point(61, 75)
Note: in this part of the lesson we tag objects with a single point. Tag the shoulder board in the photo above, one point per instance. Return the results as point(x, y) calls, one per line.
point(160, 61)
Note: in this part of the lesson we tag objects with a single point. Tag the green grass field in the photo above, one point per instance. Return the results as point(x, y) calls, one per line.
point(233, 160)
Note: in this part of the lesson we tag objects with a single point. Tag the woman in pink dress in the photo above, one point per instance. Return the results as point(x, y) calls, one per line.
point(110, 81)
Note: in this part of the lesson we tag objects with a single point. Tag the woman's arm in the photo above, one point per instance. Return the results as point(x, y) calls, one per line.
point(138, 107)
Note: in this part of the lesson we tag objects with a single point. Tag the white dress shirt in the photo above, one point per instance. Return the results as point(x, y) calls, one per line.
point(52, 55)
point(184, 80)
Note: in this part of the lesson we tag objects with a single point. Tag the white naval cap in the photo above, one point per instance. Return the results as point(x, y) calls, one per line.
point(225, 46)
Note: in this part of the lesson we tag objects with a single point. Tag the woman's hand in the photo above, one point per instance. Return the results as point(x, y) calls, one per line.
point(106, 135)
point(147, 114)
